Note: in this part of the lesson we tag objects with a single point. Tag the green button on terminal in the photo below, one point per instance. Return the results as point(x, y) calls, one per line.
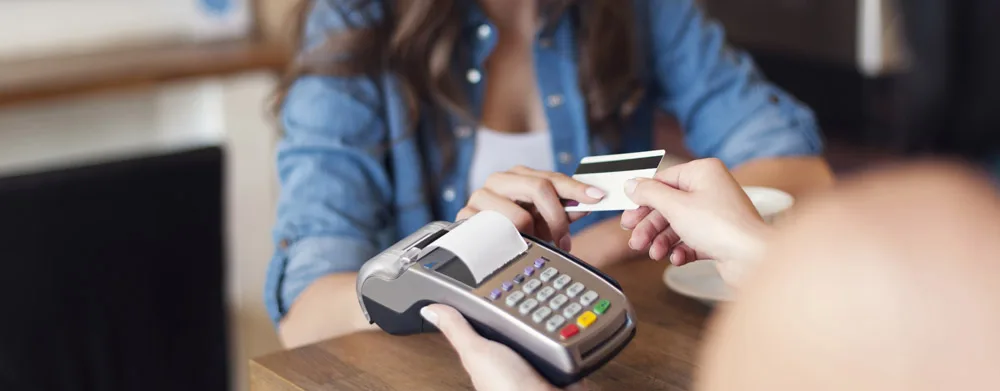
point(602, 307)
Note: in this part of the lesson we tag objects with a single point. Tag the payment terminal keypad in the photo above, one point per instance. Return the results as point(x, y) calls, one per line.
point(561, 281)
point(558, 301)
point(515, 298)
point(540, 314)
point(531, 286)
point(527, 306)
point(545, 293)
point(548, 274)
point(554, 322)
point(550, 298)
point(572, 309)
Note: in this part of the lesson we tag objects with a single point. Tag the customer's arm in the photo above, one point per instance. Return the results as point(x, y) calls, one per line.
point(334, 204)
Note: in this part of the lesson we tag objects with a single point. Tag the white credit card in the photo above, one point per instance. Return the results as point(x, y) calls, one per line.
point(610, 172)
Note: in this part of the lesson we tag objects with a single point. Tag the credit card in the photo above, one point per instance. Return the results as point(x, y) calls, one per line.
point(610, 172)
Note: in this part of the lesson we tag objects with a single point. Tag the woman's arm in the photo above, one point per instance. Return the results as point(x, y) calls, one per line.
point(726, 107)
point(327, 308)
point(604, 244)
point(333, 208)
point(796, 175)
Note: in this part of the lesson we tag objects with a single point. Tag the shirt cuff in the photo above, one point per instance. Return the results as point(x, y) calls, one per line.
point(302, 262)
point(770, 136)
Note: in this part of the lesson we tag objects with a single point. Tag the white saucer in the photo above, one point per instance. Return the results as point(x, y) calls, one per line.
point(699, 280)
point(769, 202)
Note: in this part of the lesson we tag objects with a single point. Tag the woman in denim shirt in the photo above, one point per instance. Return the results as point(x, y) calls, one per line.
point(390, 106)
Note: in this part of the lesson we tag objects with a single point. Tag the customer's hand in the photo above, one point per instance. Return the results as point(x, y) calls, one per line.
point(490, 365)
point(695, 211)
point(533, 201)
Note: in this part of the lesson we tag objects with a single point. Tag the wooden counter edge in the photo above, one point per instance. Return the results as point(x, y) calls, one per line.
point(264, 379)
point(55, 77)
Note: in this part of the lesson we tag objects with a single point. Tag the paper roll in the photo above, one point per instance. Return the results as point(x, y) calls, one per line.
point(485, 242)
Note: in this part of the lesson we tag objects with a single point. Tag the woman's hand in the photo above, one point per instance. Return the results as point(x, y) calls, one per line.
point(533, 201)
point(695, 211)
point(491, 366)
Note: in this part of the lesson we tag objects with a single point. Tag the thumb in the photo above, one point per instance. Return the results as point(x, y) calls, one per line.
point(654, 194)
point(453, 325)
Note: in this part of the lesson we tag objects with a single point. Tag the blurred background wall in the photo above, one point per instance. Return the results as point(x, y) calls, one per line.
point(94, 82)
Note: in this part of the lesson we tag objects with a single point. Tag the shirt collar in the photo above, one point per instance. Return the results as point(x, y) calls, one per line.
point(475, 16)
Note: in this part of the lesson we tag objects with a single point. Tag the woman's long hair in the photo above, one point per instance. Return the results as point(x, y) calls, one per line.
point(419, 41)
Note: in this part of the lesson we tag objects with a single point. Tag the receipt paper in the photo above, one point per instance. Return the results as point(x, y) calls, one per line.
point(485, 242)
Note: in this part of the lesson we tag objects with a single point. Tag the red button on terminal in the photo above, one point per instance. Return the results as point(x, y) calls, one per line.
point(569, 331)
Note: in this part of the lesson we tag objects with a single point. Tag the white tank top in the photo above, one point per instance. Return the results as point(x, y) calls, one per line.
point(497, 151)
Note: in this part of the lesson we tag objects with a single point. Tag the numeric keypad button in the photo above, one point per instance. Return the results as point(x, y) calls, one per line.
point(572, 309)
point(514, 298)
point(540, 314)
point(554, 323)
point(548, 274)
point(561, 281)
point(545, 293)
point(558, 301)
point(588, 298)
point(530, 286)
point(527, 306)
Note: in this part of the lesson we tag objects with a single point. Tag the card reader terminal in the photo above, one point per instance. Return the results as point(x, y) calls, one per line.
point(562, 315)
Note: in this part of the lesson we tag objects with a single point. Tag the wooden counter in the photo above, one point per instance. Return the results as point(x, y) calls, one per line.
point(660, 357)
point(29, 80)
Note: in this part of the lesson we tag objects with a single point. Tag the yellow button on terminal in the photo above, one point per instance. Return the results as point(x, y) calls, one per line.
point(586, 319)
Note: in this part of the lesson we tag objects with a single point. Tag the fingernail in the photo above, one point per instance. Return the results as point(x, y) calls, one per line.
point(594, 192)
point(431, 316)
point(674, 258)
point(630, 244)
point(630, 186)
point(565, 243)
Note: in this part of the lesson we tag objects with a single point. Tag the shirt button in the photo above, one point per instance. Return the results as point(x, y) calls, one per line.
point(565, 157)
point(554, 100)
point(449, 194)
point(463, 131)
point(484, 31)
point(474, 76)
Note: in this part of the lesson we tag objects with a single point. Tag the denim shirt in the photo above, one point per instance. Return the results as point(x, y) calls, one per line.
point(346, 194)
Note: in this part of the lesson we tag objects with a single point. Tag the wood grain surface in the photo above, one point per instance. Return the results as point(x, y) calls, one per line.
point(44, 78)
point(661, 357)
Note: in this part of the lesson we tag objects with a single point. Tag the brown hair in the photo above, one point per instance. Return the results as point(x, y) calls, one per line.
point(418, 41)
